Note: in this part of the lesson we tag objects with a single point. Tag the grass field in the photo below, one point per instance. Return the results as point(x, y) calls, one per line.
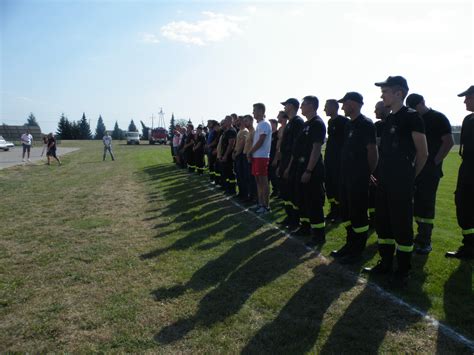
point(138, 256)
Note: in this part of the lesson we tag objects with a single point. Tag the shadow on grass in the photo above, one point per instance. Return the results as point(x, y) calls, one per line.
point(297, 326)
point(232, 293)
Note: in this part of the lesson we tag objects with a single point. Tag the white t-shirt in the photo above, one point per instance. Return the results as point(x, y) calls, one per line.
point(26, 138)
point(263, 127)
point(107, 140)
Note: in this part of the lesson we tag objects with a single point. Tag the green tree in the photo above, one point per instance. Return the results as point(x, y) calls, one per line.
point(117, 132)
point(75, 130)
point(100, 130)
point(31, 120)
point(64, 128)
point(84, 128)
point(172, 126)
point(182, 122)
point(132, 127)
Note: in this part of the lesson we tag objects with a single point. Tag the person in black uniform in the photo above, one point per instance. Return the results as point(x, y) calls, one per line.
point(440, 141)
point(464, 195)
point(310, 172)
point(286, 174)
point(271, 168)
point(358, 161)
point(188, 148)
point(226, 162)
point(211, 146)
point(332, 157)
point(403, 153)
point(381, 113)
point(198, 149)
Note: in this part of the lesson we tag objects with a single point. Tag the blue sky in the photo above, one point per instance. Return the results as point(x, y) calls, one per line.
point(202, 60)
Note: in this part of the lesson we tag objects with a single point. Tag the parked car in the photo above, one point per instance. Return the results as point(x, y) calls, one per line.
point(133, 137)
point(5, 145)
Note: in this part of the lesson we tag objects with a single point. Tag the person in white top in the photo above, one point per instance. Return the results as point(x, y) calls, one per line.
point(107, 139)
point(260, 157)
point(26, 141)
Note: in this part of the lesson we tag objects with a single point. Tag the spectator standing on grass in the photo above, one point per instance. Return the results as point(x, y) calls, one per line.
point(175, 143)
point(259, 156)
point(285, 171)
point(332, 157)
point(107, 139)
point(226, 163)
point(440, 141)
point(403, 153)
point(198, 149)
point(309, 173)
point(26, 141)
point(464, 195)
point(247, 174)
point(358, 161)
point(240, 160)
point(52, 149)
point(272, 168)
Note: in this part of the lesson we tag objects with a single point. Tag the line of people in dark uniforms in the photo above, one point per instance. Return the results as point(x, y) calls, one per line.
point(380, 175)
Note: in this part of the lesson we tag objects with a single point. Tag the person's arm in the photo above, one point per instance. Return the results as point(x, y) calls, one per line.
point(372, 156)
point(313, 159)
point(286, 173)
point(258, 144)
point(230, 148)
point(419, 139)
point(447, 143)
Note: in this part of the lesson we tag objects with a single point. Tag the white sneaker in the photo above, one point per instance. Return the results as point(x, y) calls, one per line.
point(29, 160)
point(23, 160)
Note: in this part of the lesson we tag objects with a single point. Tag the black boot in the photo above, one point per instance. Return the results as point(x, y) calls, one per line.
point(423, 238)
point(355, 253)
point(318, 237)
point(400, 276)
point(384, 265)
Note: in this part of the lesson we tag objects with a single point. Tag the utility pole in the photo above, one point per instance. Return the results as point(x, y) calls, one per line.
point(152, 119)
point(161, 118)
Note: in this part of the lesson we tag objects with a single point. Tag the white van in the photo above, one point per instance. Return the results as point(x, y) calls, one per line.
point(133, 137)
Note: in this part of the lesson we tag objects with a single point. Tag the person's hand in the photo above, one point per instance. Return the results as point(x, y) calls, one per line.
point(305, 177)
point(286, 173)
point(249, 157)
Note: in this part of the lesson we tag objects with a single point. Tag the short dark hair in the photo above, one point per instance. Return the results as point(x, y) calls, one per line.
point(259, 106)
point(313, 100)
point(272, 120)
point(250, 117)
point(333, 102)
point(283, 114)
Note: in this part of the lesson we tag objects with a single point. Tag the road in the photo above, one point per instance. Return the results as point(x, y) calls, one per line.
point(13, 156)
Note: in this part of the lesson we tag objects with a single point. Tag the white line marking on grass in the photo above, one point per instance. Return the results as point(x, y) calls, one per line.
point(451, 333)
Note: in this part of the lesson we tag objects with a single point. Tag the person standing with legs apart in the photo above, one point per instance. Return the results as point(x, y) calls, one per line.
point(107, 140)
point(332, 157)
point(259, 155)
point(310, 173)
point(286, 174)
point(358, 161)
point(198, 150)
point(403, 153)
point(271, 167)
point(26, 141)
point(226, 162)
point(464, 195)
point(440, 141)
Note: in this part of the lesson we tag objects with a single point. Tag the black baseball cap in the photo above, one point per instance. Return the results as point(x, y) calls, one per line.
point(413, 100)
point(469, 91)
point(394, 81)
point(199, 127)
point(293, 102)
point(354, 96)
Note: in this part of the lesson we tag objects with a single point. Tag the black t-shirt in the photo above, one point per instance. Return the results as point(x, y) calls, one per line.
point(228, 135)
point(336, 127)
point(290, 134)
point(51, 143)
point(397, 149)
point(379, 125)
point(200, 138)
point(358, 134)
point(274, 145)
point(189, 139)
point(436, 126)
point(466, 149)
point(313, 131)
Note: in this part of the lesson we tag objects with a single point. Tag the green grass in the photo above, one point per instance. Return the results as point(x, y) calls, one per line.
point(136, 255)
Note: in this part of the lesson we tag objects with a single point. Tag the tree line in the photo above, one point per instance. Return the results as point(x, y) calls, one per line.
point(81, 129)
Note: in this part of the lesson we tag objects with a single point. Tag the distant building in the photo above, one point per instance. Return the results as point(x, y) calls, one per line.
point(13, 133)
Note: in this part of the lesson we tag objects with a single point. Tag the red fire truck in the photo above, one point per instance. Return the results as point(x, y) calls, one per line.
point(157, 135)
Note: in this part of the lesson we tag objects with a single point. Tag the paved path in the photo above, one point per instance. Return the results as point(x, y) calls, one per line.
point(13, 156)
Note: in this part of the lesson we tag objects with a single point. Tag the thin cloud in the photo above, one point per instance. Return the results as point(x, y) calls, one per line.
point(149, 38)
point(215, 28)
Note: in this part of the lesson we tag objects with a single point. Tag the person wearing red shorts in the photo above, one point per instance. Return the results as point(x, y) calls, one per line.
point(259, 155)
